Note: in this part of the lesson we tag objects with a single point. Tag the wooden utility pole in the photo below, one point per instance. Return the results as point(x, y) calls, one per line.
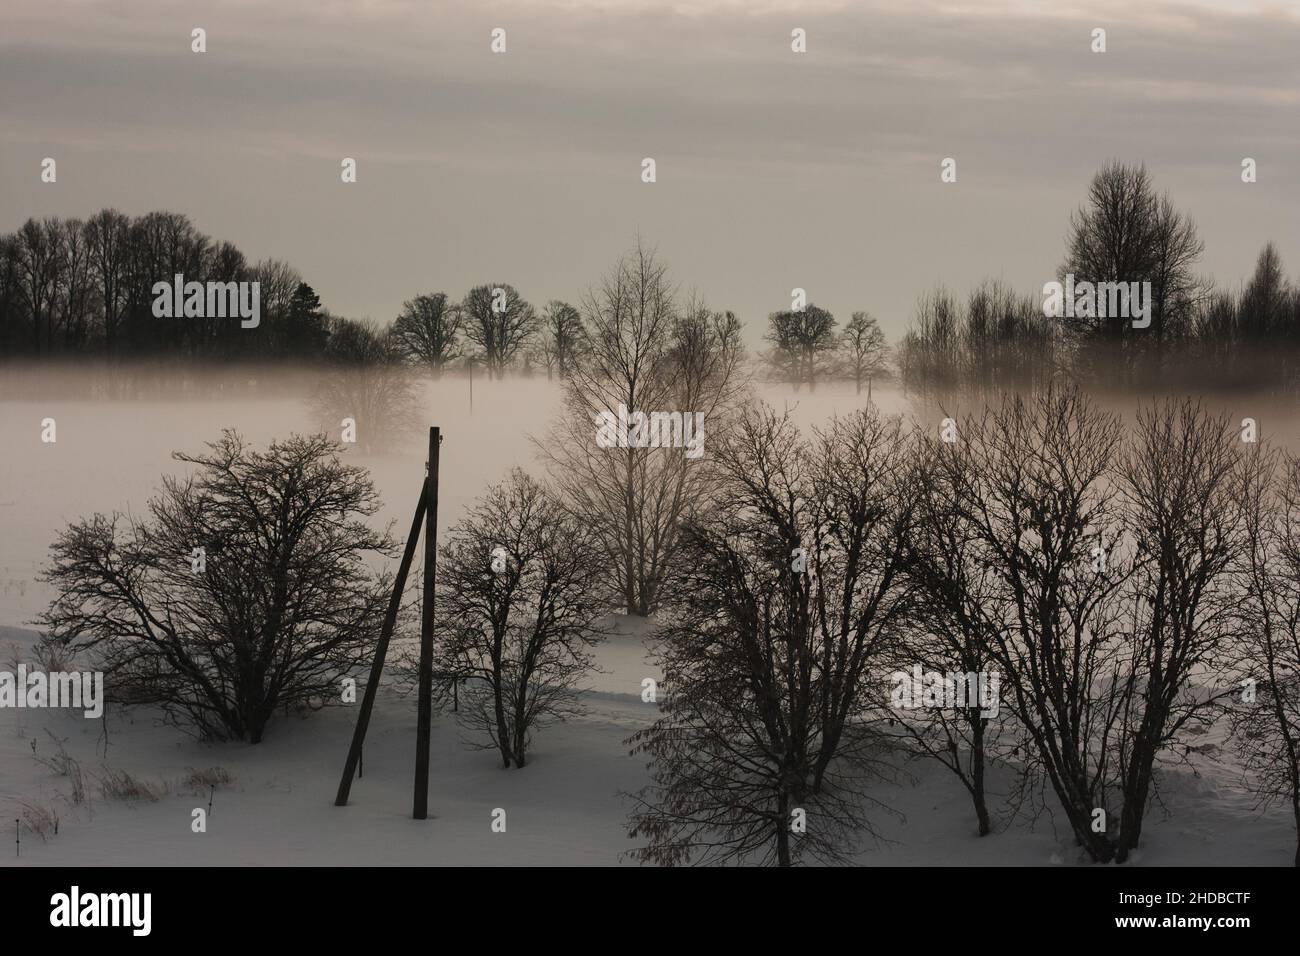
point(381, 651)
point(426, 514)
point(424, 712)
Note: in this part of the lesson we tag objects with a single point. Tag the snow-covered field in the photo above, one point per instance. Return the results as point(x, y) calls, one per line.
point(566, 807)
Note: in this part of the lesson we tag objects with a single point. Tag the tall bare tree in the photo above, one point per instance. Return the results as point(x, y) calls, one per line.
point(563, 338)
point(499, 322)
point(1032, 484)
point(948, 631)
point(864, 346)
point(1127, 233)
point(680, 369)
point(790, 590)
point(1183, 480)
point(108, 232)
point(800, 338)
point(428, 330)
point(39, 265)
point(1265, 713)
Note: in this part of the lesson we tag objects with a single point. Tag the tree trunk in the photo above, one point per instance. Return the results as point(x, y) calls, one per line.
point(1295, 809)
point(521, 728)
point(629, 534)
point(783, 830)
point(977, 773)
point(503, 732)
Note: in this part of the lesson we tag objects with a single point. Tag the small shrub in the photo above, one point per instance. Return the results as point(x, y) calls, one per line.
point(41, 820)
point(200, 781)
point(65, 765)
point(120, 785)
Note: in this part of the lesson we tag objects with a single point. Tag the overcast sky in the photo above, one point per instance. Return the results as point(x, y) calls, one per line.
point(775, 170)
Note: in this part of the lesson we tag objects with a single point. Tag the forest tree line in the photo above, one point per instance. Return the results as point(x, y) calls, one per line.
point(76, 288)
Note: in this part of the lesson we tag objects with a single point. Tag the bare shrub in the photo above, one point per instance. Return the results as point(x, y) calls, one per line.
point(519, 591)
point(120, 785)
point(65, 765)
point(283, 604)
point(197, 781)
point(41, 819)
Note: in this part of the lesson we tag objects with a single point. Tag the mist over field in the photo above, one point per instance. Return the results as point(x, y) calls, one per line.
point(110, 454)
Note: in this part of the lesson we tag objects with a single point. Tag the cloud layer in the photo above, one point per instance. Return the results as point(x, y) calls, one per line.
point(774, 170)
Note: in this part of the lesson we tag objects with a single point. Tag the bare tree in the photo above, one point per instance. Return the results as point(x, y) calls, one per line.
point(1183, 482)
point(676, 369)
point(948, 634)
point(996, 340)
point(428, 328)
point(1175, 289)
point(1265, 715)
point(519, 610)
point(75, 289)
point(563, 338)
point(865, 349)
point(930, 356)
point(40, 262)
point(499, 322)
point(1100, 580)
point(10, 292)
point(799, 339)
point(108, 233)
point(1127, 233)
point(790, 589)
point(1031, 483)
point(245, 589)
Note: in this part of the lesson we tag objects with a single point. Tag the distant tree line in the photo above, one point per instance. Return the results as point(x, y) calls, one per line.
point(74, 287)
point(806, 348)
point(1124, 232)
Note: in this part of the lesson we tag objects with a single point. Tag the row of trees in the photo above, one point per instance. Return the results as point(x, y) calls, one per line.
point(805, 347)
point(76, 288)
point(72, 287)
point(1129, 585)
point(492, 326)
point(1124, 232)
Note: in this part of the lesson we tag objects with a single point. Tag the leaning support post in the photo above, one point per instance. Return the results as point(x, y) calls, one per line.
point(381, 651)
point(424, 713)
